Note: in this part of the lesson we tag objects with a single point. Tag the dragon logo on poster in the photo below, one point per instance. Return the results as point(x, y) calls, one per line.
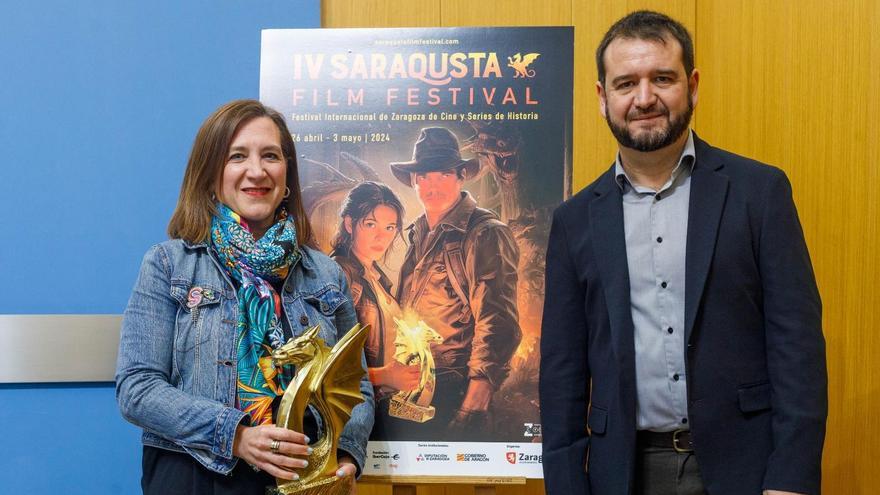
point(521, 63)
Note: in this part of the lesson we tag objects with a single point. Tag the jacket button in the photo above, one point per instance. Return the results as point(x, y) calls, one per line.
point(303, 320)
point(288, 288)
point(324, 307)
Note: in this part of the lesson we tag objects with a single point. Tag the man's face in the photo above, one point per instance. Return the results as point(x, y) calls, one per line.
point(438, 191)
point(647, 98)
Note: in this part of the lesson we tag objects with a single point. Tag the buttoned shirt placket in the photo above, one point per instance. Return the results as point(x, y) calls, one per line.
point(656, 236)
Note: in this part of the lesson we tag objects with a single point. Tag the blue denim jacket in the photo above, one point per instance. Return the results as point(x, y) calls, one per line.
point(176, 372)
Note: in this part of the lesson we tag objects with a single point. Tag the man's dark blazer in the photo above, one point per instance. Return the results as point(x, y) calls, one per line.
point(755, 354)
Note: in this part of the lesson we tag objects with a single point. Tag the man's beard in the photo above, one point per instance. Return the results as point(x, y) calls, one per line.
point(654, 139)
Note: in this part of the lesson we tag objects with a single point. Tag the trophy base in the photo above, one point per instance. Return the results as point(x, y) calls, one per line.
point(409, 411)
point(329, 485)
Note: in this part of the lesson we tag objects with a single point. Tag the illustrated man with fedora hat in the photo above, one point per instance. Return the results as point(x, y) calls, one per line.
point(459, 276)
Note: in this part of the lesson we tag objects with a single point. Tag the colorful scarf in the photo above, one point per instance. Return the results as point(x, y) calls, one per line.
point(255, 265)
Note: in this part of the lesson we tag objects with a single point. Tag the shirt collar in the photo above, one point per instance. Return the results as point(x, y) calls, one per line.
point(685, 163)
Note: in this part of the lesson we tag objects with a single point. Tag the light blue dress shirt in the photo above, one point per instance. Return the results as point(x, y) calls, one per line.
point(656, 236)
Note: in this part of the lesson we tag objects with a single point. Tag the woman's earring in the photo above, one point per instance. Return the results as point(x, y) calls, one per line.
point(286, 192)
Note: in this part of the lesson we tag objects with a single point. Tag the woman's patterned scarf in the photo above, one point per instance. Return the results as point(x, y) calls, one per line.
point(255, 265)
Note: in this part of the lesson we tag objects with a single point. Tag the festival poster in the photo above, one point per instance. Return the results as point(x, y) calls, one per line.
point(430, 161)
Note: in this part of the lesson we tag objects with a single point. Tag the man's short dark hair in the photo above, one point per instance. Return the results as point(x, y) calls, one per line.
point(647, 25)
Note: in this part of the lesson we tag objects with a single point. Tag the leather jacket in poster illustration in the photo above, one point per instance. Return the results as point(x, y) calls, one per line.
point(460, 279)
point(367, 307)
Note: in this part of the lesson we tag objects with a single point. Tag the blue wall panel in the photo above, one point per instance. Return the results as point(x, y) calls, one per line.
point(99, 103)
point(66, 439)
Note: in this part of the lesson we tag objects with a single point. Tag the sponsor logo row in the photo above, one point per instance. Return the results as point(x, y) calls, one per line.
point(511, 457)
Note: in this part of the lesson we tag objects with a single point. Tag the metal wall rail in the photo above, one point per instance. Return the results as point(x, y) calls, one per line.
point(58, 348)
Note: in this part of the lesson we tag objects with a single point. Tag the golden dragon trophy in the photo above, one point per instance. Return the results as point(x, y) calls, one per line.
point(412, 347)
point(329, 380)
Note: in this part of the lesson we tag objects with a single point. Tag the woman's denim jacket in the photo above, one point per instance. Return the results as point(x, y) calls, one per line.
point(176, 373)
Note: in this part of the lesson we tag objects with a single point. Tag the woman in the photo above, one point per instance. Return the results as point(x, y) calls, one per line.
point(371, 218)
point(237, 279)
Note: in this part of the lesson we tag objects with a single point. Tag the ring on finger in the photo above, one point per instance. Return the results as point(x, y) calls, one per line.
point(275, 446)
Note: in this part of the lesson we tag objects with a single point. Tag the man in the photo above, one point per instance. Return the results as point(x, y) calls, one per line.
point(681, 304)
point(459, 277)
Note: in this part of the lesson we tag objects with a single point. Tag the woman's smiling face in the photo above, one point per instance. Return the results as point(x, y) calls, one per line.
point(255, 175)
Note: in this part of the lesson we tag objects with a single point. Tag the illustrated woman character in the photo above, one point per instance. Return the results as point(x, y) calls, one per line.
point(371, 219)
point(237, 279)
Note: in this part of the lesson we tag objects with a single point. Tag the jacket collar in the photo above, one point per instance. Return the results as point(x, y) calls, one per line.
point(194, 245)
point(354, 265)
point(457, 218)
point(709, 188)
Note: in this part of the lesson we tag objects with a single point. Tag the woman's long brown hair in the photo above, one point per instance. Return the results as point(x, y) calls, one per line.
point(191, 220)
